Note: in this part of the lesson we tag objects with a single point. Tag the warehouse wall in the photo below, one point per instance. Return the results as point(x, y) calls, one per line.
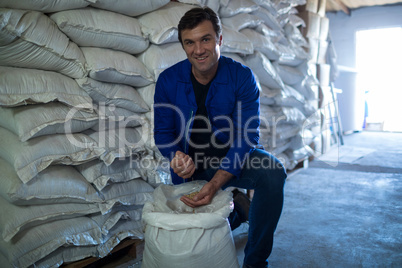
point(343, 28)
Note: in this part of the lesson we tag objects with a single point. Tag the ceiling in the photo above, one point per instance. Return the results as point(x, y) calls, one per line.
point(347, 5)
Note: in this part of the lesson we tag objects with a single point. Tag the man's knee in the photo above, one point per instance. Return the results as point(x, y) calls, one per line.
point(271, 169)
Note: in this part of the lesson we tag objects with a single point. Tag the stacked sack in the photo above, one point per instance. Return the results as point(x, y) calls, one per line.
point(77, 81)
point(76, 153)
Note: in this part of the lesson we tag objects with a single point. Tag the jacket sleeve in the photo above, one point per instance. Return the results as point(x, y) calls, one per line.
point(166, 138)
point(246, 124)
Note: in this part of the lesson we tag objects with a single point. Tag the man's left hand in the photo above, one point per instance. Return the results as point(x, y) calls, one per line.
point(204, 197)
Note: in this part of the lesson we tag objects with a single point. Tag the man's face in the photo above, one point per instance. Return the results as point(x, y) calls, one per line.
point(202, 48)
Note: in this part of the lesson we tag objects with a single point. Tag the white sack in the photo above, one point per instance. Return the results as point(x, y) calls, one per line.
point(269, 5)
point(29, 246)
point(118, 143)
point(160, 26)
point(263, 68)
point(55, 184)
point(214, 5)
point(308, 87)
point(91, 27)
point(122, 230)
point(111, 117)
point(179, 236)
point(275, 36)
point(116, 67)
point(45, 6)
point(290, 75)
point(235, 42)
point(241, 21)
point(304, 138)
point(31, 157)
point(281, 131)
point(234, 57)
point(159, 57)
point(36, 120)
point(236, 7)
point(100, 175)
point(133, 192)
point(22, 217)
point(271, 115)
point(71, 253)
point(193, 2)
point(262, 43)
point(67, 254)
point(130, 7)
point(110, 94)
point(288, 97)
point(268, 96)
point(147, 93)
point(107, 221)
point(268, 18)
point(293, 33)
point(30, 39)
point(291, 54)
point(20, 86)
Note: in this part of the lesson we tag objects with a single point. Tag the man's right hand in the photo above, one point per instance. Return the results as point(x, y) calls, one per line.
point(182, 165)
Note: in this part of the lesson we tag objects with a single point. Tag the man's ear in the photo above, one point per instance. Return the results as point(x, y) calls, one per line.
point(220, 40)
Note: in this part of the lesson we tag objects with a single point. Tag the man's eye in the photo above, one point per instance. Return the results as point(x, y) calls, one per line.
point(206, 39)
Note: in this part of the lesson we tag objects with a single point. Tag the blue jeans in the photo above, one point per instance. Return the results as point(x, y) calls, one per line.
point(266, 176)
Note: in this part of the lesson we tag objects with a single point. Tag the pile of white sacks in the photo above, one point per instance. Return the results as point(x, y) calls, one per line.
point(77, 80)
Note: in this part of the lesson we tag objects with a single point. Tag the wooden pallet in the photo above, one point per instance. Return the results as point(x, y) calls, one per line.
point(126, 250)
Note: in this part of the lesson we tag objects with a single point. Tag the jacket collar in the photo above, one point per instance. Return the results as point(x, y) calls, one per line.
point(222, 76)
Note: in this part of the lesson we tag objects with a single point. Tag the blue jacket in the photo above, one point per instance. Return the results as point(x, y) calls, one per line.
point(233, 95)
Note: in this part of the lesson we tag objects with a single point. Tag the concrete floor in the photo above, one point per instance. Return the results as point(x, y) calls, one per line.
point(344, 210)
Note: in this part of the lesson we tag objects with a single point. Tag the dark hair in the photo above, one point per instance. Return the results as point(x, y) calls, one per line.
point(195, 16)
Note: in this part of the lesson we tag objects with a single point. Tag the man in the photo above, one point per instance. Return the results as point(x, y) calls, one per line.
point(207, 124)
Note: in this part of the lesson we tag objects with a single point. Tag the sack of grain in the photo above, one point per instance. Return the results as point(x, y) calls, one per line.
point(179, 236)
point(92, 27)
point(29, 39)
point(235, 42)
point(160, 25)
point(21, 86)
point(241, 21)
point(112, 94)
point(118, 143)
point(133, 192)
point(41, 152)
point(100, 175)
point(45, 6)
point(23, 217)
point(33, 244)
point(32, 121)
point(55, 184)
point(235, 7)
point(262, 43)
point(129, 7)
point(263, 68)
point(119, 67)
point(159, 57)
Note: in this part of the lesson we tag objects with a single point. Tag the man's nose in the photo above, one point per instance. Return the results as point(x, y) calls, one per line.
point(199, 48)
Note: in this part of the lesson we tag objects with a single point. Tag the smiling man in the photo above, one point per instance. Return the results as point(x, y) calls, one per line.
point(207, 125)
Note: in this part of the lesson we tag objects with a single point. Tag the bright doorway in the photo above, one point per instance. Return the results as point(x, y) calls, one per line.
point(379, 69)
